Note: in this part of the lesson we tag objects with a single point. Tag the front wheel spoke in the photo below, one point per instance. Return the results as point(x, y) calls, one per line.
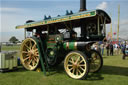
point(70, 69)
point(81, 61)
point(30, 44)
point(79, 71)
point(73, 71)
point(95, 58)
point(77, 59)
point(96, 62)
point(72, 60)
point(81, 65)
point(94, 65)
point(82, 68)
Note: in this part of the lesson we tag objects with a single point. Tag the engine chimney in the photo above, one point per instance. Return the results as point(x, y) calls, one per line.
point(82, 5)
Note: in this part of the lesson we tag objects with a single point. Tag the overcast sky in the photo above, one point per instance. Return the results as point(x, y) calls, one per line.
point(16, 12)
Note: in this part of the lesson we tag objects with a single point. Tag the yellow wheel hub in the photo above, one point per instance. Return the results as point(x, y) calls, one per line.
point(29, 54)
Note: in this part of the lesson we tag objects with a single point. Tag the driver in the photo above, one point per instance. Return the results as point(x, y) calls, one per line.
point(73, 34)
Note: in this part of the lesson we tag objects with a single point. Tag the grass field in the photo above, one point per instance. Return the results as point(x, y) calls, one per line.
point(114, 72)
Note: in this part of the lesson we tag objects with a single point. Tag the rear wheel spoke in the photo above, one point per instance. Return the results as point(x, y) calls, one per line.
point(69, 65)
point(26, 58)
point(27, 46)
point(34, 46)
point(29, 62)
point(71, 61)
point(24, 52)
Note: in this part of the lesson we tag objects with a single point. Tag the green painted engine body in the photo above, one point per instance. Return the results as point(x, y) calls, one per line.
point(56, 45)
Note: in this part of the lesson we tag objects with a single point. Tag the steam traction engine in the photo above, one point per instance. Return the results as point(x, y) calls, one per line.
point(67, 38)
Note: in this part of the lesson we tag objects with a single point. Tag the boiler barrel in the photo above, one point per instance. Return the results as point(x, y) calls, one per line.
point(74, 45)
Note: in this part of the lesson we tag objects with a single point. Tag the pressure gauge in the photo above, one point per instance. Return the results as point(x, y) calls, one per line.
point(58, 38)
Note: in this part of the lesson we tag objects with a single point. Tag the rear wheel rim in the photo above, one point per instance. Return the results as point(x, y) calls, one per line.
point(75, 65)
point(95, 62)
point(29, 54)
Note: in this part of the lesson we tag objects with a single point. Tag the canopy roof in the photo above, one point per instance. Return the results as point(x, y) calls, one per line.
point(60, 19)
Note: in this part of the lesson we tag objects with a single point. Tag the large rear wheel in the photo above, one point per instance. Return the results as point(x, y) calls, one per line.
point(96, 61)
point(76, 65)
point(29, 54)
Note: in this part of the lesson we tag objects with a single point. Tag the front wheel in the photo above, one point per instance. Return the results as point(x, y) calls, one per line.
point(96, 61)
point(76, 65)
point(29, 54)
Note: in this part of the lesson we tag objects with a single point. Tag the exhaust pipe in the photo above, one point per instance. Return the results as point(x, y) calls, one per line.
point(82, 5)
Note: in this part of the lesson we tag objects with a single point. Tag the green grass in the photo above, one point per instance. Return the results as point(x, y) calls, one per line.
point(114, 72)
point(10, 48)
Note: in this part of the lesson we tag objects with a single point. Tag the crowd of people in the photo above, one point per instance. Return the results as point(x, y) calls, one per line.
point(111, 48)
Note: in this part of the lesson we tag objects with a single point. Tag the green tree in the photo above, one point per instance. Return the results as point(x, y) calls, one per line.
point(13, 39)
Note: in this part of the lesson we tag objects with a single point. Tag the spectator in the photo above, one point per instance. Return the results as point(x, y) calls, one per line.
point(119, 48)
point(102, 49)
point(111, 49)
point(107, 48)
point(123, 50)
point(116, 49)
point(99, 49)
point(127, 46)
